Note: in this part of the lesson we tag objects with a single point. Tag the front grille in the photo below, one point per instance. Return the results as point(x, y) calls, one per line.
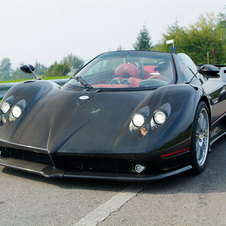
point(96, 164)
point(26, 155)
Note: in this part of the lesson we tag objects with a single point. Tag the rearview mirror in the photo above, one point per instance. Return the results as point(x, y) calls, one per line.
point(209, 70)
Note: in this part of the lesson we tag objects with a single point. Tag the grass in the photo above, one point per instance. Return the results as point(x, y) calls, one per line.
point(51, 78)
point(46, 78)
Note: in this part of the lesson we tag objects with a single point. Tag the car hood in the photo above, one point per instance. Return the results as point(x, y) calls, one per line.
point(74, 121)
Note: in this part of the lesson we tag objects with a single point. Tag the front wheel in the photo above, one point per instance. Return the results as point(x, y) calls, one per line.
point(200, 138)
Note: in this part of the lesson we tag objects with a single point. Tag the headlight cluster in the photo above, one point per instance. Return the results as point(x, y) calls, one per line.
point(159, 117)
point(14, 111)
point(5, 107)
point(138, 120)
point(143, 120)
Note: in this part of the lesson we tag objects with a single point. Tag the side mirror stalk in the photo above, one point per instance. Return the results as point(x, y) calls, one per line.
point(29, 69)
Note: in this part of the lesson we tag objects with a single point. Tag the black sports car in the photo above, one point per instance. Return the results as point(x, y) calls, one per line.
point(126, 115)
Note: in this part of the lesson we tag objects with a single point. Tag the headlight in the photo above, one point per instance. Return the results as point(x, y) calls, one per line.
point(159, 117)
point(16, 111)
point(138, 120)
point(5, 107)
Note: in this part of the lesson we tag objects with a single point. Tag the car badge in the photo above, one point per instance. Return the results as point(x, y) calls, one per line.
point(84, 97)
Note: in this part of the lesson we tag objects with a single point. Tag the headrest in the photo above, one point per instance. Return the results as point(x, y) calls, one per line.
point(126, 69)
point(162, 66)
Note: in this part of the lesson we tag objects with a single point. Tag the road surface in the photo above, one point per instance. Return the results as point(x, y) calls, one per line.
point(27, 199)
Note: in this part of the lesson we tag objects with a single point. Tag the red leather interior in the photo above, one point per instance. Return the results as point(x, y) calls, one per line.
point(120, 78)
point(127, 69)
point(148, 70)
point(134, 82)
point(111, 85)
point(132, 76)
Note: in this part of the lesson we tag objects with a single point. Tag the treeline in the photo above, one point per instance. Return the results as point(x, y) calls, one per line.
point(67, 66)
point(204, 41)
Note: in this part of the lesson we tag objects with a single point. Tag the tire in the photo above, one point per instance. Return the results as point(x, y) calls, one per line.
point(200, 142)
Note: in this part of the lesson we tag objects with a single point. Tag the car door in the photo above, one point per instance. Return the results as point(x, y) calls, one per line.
point(215, 89)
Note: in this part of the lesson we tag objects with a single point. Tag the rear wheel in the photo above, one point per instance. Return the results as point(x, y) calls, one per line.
point(200, 138)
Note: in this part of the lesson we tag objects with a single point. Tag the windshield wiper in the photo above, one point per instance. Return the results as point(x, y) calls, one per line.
point(83, 82)
point(194, 76)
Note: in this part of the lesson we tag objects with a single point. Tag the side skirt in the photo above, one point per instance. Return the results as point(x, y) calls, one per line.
point(215, 138)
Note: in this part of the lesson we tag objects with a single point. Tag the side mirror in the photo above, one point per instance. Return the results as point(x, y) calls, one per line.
point(28, 69)
point(223, 74)
point(209, 71)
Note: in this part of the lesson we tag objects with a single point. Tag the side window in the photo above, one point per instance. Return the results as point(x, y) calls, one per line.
point(185, 66)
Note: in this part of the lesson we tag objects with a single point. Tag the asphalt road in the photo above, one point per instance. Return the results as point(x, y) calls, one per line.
point(27, 199)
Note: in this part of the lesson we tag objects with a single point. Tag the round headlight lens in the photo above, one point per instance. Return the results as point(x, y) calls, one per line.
point(159, 117)
point(16, 111)
point(138, 120)
point(5, 107)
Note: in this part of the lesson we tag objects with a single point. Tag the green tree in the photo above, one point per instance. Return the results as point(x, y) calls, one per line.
point(119, 48)
point(199, 40)
point(20, 75)
point(143, 40)
point(222, 27)
point(40, 69)
point(222, 22)
point(57, 70)
point(175, 32)
point(5, 69)
point(205, 39)
point(73, 61)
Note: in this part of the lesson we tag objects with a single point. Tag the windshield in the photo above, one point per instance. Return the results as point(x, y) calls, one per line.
point(128, 70)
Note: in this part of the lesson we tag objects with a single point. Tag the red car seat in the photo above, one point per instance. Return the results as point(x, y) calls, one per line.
point(130, 71)
point(127, 69)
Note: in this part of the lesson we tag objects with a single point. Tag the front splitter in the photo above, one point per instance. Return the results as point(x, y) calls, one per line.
point(51, 172)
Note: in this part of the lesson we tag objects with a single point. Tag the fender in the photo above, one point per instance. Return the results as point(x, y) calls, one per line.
point(178, 127)
point(32, 90)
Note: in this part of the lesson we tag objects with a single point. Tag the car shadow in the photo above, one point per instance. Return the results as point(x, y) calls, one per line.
point(212, 179)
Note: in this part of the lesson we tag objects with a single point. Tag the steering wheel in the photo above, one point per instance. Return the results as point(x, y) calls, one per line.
point(115, 81)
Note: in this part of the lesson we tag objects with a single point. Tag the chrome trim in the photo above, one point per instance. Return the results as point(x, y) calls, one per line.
point(223, 115)
point(218, 137)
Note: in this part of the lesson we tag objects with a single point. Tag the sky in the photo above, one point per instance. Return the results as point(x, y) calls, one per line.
point(48, 30)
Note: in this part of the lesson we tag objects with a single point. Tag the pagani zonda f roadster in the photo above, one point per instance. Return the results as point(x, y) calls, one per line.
point(126, 115)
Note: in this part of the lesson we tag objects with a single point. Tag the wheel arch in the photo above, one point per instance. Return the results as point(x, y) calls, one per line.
point(206, 101)
point(196, 168)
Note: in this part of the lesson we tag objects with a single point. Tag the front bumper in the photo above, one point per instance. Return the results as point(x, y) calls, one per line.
point(52, 172)
point(110, 167)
